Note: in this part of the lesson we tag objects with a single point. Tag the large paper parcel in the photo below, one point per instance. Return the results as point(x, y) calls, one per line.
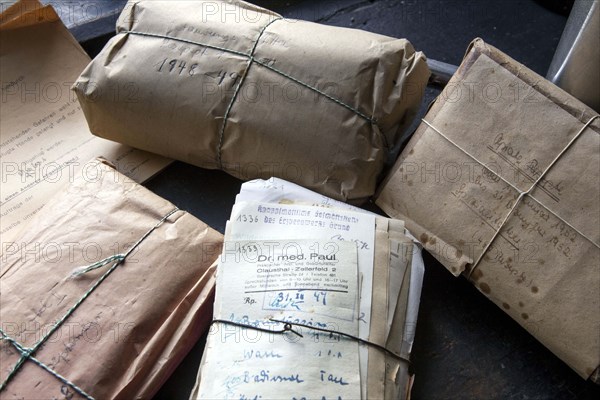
point(500, 183)
point(233, 86)
point(118, 328)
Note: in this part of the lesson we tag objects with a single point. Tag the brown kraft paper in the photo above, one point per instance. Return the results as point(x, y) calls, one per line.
point(500, 183)
point(130, 333)
point(233, 86)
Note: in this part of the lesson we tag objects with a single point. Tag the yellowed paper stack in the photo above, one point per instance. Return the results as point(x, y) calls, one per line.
point(500, 183)
point(44, 139)
point(104, 293)
point(228, 85)
point(293, 256)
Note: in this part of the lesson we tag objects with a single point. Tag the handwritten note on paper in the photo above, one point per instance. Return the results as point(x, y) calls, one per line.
point(280, 191)
point(304, 281)
point(535, 255)
point(258, 221)
point(45, 142)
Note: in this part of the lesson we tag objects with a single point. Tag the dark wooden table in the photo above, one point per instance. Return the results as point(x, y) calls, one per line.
point(465, 347)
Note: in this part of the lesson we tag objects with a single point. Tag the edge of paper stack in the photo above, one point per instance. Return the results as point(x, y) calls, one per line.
point(245, 363)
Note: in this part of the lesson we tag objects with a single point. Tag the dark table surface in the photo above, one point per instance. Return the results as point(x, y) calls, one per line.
point(465, 346)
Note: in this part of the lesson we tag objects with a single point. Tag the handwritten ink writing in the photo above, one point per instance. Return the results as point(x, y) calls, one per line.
point(320, 297)
point(529, 226)
point(285, 300)
point(255, 397)
point(361, 317)
point(560, 246)
point(264, 376)
point(539, 210)
point(558, 234)
point(173, 67)
point(478, 206)
point(70, 345)
point(250, 354)
point(490, 175)
point(497, 255)
point(534, 169)
point(565, 231)
point(512, 235)
point(53, 300)
point(361, 244)
point(329, 353)
point(325, 377)
point(325, 337)
point(507, 148)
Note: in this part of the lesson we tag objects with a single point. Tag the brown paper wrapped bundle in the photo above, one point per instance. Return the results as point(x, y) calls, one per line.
point(500, 183)
point(233, 86)
point(118, 327)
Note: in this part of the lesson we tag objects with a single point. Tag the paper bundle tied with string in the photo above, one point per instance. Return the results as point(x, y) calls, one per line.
point(104, 293)
point(500, 183)
point(233, 86)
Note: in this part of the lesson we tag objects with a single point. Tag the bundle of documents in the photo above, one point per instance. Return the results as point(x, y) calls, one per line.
point(104, 293)
point(230, 85)
point(314, 299)
point(500, 183)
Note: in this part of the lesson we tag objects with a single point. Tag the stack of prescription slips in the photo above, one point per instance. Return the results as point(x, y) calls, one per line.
point(315, 299)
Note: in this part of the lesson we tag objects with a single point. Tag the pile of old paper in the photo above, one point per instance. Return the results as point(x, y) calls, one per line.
point(295, 257)
point(106, 286)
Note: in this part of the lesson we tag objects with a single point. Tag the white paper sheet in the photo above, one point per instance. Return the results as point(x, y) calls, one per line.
point(307, 281)
point(276, 210)
point(45, 142)
point(258, 221)
point(275, 190)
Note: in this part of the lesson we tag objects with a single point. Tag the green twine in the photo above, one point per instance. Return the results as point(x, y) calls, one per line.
point(85, 269)
point(28, 352)
point(252, 60)
point(237, 90)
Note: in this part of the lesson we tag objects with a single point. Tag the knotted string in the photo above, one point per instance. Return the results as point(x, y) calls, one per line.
point(522, 194)
point(27, 353)
point(85, 269)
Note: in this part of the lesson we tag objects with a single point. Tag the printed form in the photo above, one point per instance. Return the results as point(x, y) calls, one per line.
point(277, 210)
point(258, 221)
point(311, 282)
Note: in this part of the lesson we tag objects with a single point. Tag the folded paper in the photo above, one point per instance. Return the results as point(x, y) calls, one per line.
point(233, 86)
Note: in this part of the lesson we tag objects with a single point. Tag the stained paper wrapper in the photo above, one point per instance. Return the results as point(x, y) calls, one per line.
point(127, 337)
point(233, 86)
point(500, 183)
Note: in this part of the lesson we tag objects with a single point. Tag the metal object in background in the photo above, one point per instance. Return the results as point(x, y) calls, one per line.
point(576, 63)
point(441, 72)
